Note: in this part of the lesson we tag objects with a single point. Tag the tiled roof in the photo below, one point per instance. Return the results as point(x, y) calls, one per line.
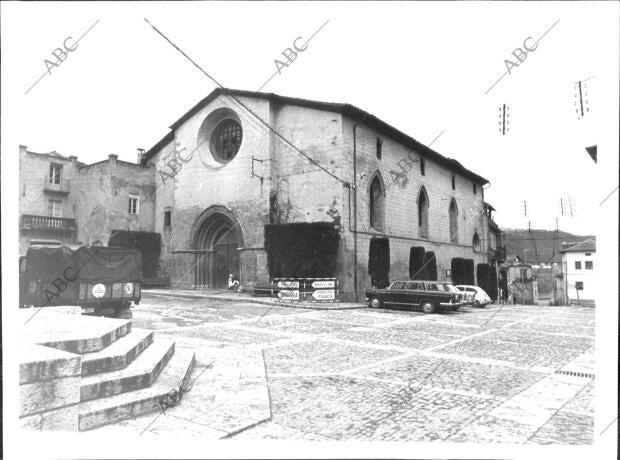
point(585, 246)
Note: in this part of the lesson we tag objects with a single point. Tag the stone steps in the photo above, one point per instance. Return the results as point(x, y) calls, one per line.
point(74, 333)
point(99, 412)
point(80, 372)
point(141, 373)
point(118, 355)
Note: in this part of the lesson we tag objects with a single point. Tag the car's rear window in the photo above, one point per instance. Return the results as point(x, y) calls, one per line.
point(398, 285)
point(449, 287)
point(414, 285)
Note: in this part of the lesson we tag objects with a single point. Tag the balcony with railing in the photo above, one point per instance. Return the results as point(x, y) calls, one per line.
point(47, 223)
point(497, 254)
point(61, 187)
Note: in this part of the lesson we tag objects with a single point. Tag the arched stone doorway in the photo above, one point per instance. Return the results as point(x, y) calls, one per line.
point(216, 239)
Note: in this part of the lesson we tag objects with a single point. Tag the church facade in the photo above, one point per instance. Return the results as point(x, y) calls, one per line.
point(240, 162)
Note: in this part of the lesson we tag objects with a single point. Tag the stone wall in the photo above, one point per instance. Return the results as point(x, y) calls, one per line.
point(401, 211)
point(49, 387)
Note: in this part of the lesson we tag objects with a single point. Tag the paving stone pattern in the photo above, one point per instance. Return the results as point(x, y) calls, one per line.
point(484, 375)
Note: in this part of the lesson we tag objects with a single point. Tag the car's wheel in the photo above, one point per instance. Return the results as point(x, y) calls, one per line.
point(375, 302)
point(477, 304)
point(428, 307)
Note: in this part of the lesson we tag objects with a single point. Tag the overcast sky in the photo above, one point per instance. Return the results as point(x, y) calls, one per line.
point(422, 67)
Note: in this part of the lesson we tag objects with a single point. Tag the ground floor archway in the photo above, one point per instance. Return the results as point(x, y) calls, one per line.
point(216, 242)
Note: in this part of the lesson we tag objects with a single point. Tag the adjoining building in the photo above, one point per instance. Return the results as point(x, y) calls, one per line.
point(579, 269)
point(261, 186)
point(110, 202)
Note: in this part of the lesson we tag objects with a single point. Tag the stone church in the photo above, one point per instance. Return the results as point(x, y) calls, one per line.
point(263, 186)
point(240, 162)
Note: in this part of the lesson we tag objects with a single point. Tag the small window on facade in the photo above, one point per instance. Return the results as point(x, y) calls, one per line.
point(422, 214)
point(588, 253)
point(376, 204)
point(476, 242)
point(453, 182)
point(54, 208)
point(579, 285)
point(475, 189)
point(577, 265)
point(167, 218)
point(589, 265)
point(453, 214)
point(55, 171)
point(379, 145)
point(422, 165)
point(133, 204)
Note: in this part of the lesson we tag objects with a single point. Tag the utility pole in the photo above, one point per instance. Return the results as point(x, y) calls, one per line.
point(555, 235)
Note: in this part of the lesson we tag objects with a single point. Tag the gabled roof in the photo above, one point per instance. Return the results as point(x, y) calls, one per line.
point(588, 245)
point(345, 109)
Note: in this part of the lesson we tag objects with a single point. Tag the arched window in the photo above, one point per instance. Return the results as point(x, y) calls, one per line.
point(377, 203)
point(476, 242)
point(423, 213)
point(454, 222)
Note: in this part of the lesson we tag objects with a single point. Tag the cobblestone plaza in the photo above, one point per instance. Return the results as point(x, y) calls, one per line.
point(502, 374)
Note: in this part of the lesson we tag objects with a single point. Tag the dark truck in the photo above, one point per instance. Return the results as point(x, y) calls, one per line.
point(430, 296)
point(104, 281)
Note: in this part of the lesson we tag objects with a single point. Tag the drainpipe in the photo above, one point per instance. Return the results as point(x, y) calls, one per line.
point(355, 210)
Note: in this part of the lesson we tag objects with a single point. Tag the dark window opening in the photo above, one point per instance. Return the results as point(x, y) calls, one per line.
point(453, 182)
point(167, 218)
point(577, 265)
point(476, 243)
point(462, 271)
point(416, 263)
point(475, 189)
point(454, 222)
point(423, 214)
point(376, 204)
point(589, 265)
point(148, 243)
point(379, 145)
point(579, 285)
point(379, 262)
point(55, 172)
point(133, 205)
point(302, 250)
point(422, 170)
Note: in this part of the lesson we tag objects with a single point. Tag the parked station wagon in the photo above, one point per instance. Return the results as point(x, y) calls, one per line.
point(430, 296)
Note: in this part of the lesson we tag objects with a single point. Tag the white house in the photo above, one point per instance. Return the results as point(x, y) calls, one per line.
point(579, 266)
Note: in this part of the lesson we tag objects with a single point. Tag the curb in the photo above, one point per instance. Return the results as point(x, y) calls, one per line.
point(253, 300)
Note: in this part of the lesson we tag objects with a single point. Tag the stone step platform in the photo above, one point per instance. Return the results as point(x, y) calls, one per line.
point(73, 333)
point(118, 355)
point(127, 405)
point(140, 374)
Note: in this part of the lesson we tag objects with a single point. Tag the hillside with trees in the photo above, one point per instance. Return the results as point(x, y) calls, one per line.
point(542, 246)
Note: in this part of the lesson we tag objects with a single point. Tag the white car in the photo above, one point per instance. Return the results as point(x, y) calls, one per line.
point(480, 298)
